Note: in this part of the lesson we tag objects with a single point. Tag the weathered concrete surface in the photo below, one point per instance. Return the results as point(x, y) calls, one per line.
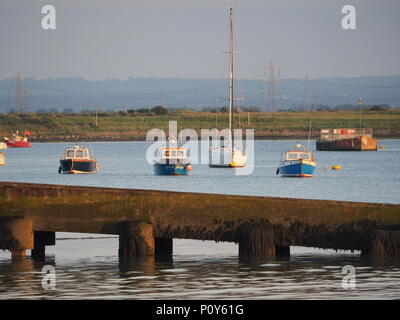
point(258, 224)
point(16, 233)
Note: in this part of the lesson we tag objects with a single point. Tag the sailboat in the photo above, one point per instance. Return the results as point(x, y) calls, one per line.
point(229, 156)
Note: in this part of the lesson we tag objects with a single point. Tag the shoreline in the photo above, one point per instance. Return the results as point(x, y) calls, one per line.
point(266, 126)
point(118, 139)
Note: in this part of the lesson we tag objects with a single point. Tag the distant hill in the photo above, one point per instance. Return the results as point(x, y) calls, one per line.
point(134, 93)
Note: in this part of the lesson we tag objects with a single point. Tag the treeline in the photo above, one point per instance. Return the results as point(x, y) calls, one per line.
point(344, 107)
point(134, 124)
point(157, 110)
point(161, 110)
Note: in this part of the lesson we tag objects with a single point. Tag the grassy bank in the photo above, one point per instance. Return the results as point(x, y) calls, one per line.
point(122, 126)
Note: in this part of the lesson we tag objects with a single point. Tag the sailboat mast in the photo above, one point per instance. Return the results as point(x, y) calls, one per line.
point(360, 104)
point(309, 137)
point(231, 48)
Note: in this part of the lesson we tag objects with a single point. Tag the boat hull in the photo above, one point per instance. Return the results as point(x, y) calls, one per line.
point(223, 158)
point(18, 144)
point(171, 169)
point(297, 169)
point(361, 143)
point(78, 166)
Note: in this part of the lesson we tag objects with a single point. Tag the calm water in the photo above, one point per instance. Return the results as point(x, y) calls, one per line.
point(90, 268)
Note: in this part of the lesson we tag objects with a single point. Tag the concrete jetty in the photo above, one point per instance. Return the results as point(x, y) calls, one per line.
point(147, 220)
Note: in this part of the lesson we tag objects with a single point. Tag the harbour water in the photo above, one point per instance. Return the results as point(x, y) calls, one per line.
point(87, 266)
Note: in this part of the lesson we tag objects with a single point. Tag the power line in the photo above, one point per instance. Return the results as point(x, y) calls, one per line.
point(272, 80)
point(21, 93)
point(306, 93)
point(355, 85)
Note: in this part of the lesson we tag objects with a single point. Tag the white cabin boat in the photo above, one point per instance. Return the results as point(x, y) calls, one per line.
point(297, 162)
point(78, 160)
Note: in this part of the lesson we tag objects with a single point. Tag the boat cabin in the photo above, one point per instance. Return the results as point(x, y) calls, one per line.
point(77, 152)
point(173, 153)
point(298, 153)
point(295, 155)
point(344, 133)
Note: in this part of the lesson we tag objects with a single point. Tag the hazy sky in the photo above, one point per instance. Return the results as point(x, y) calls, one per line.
point(99, 39)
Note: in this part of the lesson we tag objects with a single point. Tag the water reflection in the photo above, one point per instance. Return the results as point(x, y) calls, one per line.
point(148, 266)
point(197, 270)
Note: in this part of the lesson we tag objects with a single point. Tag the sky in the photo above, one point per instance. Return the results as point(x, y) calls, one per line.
point(100, 39)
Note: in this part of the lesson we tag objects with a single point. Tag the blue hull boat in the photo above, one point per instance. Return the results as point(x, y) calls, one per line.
point(299, 162)
point(296, 169)
point(172, 169)
point(172, 162)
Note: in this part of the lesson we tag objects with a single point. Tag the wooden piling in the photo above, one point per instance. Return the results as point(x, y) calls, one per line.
point(282, 251)
point(163, 246)
point(384, 243)
point(135, 239)
point(41, 240)
point(18, 253)
point(257, 242)
point(16, 235)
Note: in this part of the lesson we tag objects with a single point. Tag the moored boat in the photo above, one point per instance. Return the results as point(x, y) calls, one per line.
point(17, 141)
point(230, 156)
point(227, 157)
point(299, 162)
point(78, 160)
point(346, 140)
point(172, 161)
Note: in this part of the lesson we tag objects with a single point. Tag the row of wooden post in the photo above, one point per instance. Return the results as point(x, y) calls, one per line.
point(136, 238)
